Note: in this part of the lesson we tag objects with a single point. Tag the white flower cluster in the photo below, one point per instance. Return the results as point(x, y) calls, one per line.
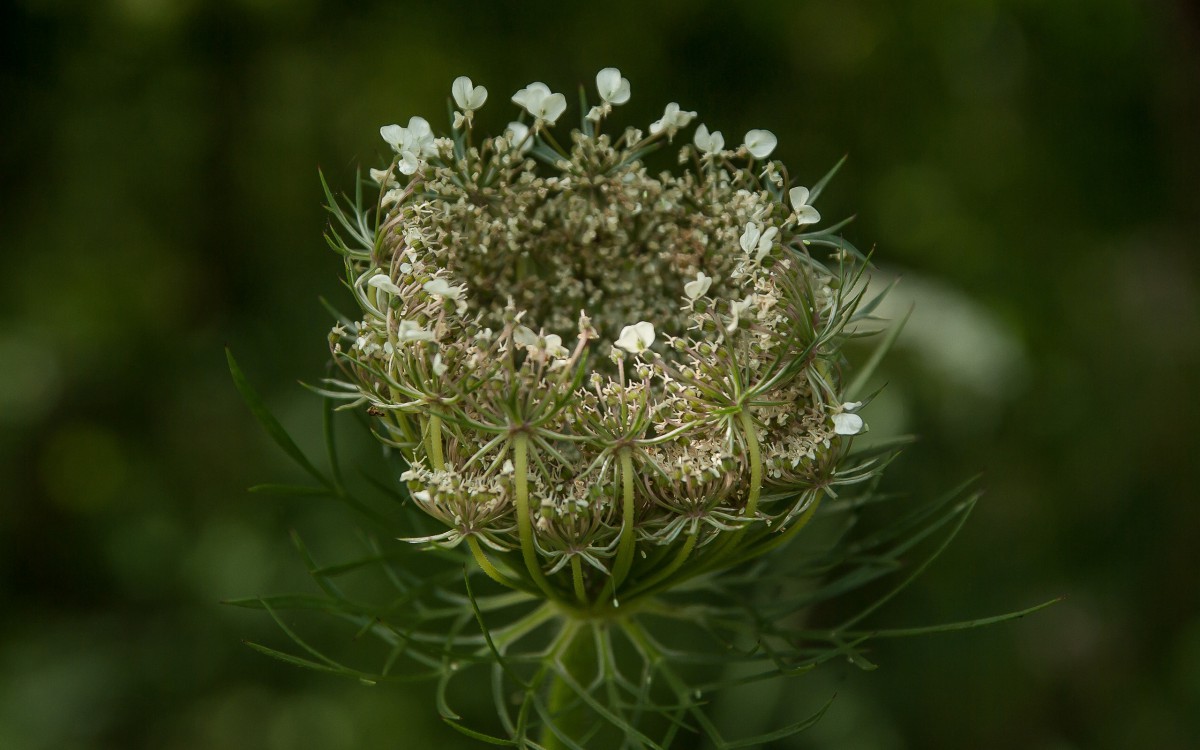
point(570, 348)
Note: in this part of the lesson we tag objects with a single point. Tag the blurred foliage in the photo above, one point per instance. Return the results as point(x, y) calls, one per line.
point(1029, 168)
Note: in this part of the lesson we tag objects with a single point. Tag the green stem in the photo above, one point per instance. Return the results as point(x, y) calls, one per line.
point(756, 473)
point(577, 580)
point(489, 568)
point(435, 443)
point(626, 545)
point(726, 548)
point(524, 525)
point(678, 561)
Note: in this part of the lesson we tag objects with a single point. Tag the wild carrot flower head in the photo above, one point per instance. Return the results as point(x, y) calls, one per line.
point(592, 364)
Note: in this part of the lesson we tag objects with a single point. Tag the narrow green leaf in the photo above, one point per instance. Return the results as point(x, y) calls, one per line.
point(962, 624)
point(328, 429)
point(781, 733)
point(478, 735)
point(817, 189)
point(268, 421)
point(864, 374)
point(487, 634)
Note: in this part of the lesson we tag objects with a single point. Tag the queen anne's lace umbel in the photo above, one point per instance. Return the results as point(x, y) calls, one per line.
point(603, 367)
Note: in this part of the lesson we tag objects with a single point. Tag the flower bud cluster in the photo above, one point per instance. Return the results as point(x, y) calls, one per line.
point(581, 358)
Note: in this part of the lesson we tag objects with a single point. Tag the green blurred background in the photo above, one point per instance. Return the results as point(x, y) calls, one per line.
point(1030, 168)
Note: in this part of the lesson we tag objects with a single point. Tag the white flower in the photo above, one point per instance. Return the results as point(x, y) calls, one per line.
point(382, 282)
point(760, 143)
point(554, 347)
point(755, 241)
point(636, 338)
point(382, 176)
point(413, 143)
point(672, 120)
point(805, 214)
point(517, 134)
point(468, 98)
point(612, 87)
point(847, 424)
point(709, 143)
point(439, 367)
point(524, 336)
point(441, 288)
point(410, 330)
point(537, 100)
point(551, 343)
point(736, 309)
point(698, 288)
point(393, 135)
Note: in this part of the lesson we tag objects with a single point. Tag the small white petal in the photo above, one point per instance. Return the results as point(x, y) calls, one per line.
point(442, 288)
point(382, 282)
point(749, 238)
point(408, 164)
point(852, 405)
point(760, 143)
point(531, 97)
point(517, 134)
point(554, 345)
point(524, 336)
point(468, 97)
point(612, 87)
point(807, 215)
point(765, 243)
point(553, 108)
point(847, 424)
point(672, 120)
point(736, 308)
point(636, 338)
point(439, 367)
point(709, 143)
point(461, 91)
point(419, 127)
point(393, 135)
point(698, 288)
point(798, 196)
point(412, 331)
point(537, 100)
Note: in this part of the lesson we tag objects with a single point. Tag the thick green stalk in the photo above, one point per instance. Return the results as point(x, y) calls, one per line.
point(756, 472)
point(524, 525)
point(625, 546)
point(435, 443)
point(577, 580)
point(726, 548)
point(486, 565)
